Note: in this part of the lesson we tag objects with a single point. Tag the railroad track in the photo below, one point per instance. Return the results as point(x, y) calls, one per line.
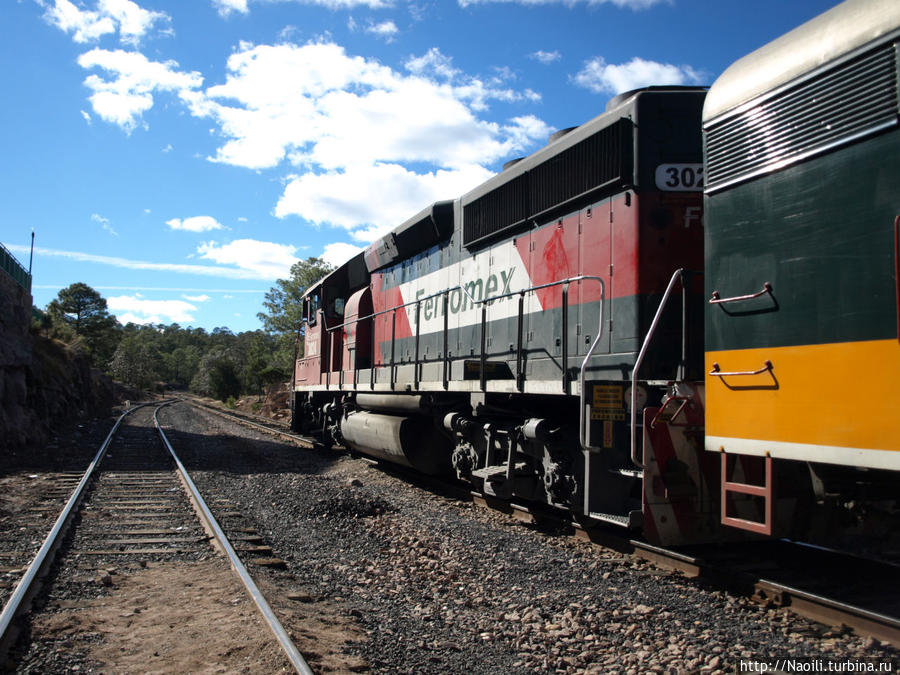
point(826, 586)
point(135, 502)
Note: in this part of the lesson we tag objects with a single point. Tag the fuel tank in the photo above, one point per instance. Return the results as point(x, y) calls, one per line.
point(412, 441)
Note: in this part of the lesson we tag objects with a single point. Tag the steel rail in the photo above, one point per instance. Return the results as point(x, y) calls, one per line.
point(243, 420)
point(813, 606)
point(287, 645)
point(825, 610)
point(43, 558)
point(816, 607)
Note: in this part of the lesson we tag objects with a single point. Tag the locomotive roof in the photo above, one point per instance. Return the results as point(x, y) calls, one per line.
point(617, 108)
point(843, 29)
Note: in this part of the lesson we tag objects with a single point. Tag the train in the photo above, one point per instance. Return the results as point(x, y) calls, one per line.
point(681, 317)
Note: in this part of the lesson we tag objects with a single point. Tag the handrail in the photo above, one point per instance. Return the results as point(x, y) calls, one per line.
point(483, 302)
point(897, 269)
point(677, 275)
point(715, 372)
point(16, 270)
point(582, 431)
point(716, 300)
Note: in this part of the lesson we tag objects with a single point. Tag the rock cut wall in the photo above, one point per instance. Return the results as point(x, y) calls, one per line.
point(15, 361)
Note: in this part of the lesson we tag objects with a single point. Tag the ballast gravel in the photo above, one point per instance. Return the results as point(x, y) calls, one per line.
point(434, 584)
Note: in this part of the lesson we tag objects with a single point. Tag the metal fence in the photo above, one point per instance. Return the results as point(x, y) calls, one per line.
point(14, 268)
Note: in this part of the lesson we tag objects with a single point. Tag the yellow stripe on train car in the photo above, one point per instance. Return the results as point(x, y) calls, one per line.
point(835, 403)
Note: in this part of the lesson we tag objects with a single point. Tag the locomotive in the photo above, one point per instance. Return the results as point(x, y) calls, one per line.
point(681, 316)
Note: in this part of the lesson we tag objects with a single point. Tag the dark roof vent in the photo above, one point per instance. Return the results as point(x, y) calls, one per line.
point(512, 162)
point(556, 135)
point(619, 99)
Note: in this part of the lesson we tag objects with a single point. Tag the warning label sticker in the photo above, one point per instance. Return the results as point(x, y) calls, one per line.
point(608, 403)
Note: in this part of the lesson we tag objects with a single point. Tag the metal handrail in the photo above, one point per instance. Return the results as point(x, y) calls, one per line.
point(716, 300)
point(483, 302)
point(678, 274)
point(16, 270)
point(716, 372)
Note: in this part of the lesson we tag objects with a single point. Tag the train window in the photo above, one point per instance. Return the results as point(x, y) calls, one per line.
point(337, 307)
point(313, 305)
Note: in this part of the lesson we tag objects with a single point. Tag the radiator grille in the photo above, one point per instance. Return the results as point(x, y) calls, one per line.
point(602, 160)
point(840, 105)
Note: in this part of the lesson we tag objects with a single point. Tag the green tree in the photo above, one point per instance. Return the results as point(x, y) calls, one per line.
point(284, 305)
point(79, 312)
point(135, 362)
point(284, 300)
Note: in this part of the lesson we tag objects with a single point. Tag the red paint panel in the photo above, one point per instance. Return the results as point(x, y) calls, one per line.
point(671, 237)
point(595, 251)
point(554, 256)
point(383, 300)
point(357, 338)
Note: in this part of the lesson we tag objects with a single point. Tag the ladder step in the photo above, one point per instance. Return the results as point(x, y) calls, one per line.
point(632, 519)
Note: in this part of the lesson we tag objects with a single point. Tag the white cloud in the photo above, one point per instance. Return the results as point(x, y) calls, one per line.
point(86, 116)
point(228, 7)
point(256, 291)
point(265, 259)
point(195, 298)
point(545, 57)
point(128, 18)
point(195, 224)
point(386, 30)
point(135, 309)
point(601, 77)
point(339, 252)
point(383, 195)
point(259, 272)
point(348, 123)
point(104, 223)
point(629, 4)
point(132, 80)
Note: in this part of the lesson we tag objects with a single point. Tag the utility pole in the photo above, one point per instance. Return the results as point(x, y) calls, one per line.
point(31, 256)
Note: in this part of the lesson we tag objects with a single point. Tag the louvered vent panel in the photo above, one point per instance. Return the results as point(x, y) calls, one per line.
point(842, 104)
point(499, 209)
point(602, 160)
point(595, 161)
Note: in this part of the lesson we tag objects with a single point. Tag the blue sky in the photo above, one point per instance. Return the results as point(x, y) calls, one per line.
point(179, 155)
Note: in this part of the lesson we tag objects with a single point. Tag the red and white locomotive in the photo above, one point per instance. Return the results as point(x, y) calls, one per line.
point(549, 335)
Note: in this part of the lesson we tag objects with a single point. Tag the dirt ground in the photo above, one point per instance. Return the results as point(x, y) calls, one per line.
point(169, 618)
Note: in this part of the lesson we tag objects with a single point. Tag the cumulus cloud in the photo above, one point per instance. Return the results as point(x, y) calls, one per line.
point(601, 77)
point(265, 259)
point(339, 252)
point(195, 224)
point(196, 298)
point(625, 4)
point(131, 80)
point(385, 195)
point(545, 57)
point(129, 19)
point(350, 126)
point(386, 30)
point(227, 7)
point(135, 309)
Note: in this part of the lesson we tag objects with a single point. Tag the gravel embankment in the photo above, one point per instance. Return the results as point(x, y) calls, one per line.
point(434, 585)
